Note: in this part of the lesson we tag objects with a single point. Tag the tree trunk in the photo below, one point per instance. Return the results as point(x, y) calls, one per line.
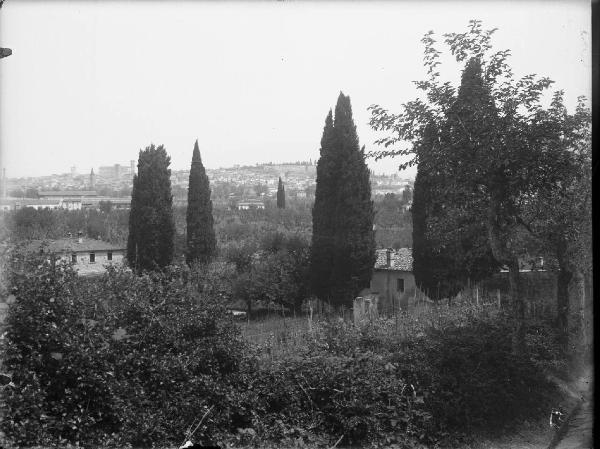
point(562, 297)
point(584, 328)
point(249, 306)
point(562, 302)
point(498, 237)
point(518, 307)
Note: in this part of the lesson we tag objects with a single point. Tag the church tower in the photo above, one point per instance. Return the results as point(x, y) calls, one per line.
point(92, 180)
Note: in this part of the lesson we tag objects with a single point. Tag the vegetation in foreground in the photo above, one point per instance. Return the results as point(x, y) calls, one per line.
point(128, 360)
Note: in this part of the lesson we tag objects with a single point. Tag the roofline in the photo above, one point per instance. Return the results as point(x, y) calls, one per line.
point(391, 269)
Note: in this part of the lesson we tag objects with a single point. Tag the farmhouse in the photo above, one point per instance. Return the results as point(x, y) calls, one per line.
point(88, 256)
point(250, 204)
point(393, 281)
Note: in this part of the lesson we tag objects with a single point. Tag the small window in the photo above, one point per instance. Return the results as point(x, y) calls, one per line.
point(92, 258)
point(109, 256)
point(74, 258)
point(400, 284)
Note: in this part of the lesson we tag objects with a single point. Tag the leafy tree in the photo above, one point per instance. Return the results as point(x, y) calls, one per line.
point(201, 240)
point(559, 216)
point(280, 195)
point(344, 213)
point(151, 227)
point(495, 138)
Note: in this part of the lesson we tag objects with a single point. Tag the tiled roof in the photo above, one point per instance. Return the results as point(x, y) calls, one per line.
point(73, 246)
point(400, 259)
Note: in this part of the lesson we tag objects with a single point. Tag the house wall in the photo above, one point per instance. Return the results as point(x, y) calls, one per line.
point(384, 284)
point(84, 267)
point(83, 258)
point(71, 205)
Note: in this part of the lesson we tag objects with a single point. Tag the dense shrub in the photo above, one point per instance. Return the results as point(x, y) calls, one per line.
point(463, 369)
point(134, 360)
point(137, 357)
point(362, 398)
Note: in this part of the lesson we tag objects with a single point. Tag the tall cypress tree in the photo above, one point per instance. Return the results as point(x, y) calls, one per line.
point(450, 247)
point(322, 232)
point(280, 195)
point(151, 227)
point(343, 245)
point(201, 241)
point(354, 238)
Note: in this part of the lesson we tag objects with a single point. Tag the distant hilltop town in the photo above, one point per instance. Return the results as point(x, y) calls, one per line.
point(237, 183)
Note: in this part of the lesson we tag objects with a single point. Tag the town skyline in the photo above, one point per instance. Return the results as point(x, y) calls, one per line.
point(75, 170)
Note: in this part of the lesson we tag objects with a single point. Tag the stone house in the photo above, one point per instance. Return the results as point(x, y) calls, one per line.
point(393, 281)
point(88, 256)
point(250, 204)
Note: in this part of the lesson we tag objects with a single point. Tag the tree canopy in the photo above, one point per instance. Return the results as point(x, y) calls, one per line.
point(496, 143)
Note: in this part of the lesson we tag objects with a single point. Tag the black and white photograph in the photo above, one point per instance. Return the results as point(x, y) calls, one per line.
point(296, 224)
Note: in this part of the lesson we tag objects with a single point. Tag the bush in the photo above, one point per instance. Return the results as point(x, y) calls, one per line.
point(137, 357)
point(464, 369)
point(134, 360)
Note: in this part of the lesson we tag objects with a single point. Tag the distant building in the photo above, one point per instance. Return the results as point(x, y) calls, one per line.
point(37, 204)
point(250, 204)
point(116, 203)
point(88, 256)
point(393, 280)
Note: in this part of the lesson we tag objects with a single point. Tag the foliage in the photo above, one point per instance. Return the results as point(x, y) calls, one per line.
point(393, 223)
point(559, 216)
point(322, 213)
point(274, 272)
point(280, 195)
point(462, 368)
point(343, 245)
point(151, 228)
point(495, 140)
point(137, 358)
point(201, 241)
point(450, 247)
point(31, 224)
point(127, 359)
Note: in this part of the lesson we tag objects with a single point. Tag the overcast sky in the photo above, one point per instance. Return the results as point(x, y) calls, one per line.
point(91, 83)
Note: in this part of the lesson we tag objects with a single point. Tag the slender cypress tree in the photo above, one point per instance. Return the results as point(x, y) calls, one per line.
point(201, 241)
point(343, 244)
point(354, 238)
point(322, 233)
point(280, 195)
point(150, 242)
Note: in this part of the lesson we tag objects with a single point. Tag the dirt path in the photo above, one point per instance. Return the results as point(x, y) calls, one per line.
point(577, 432)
